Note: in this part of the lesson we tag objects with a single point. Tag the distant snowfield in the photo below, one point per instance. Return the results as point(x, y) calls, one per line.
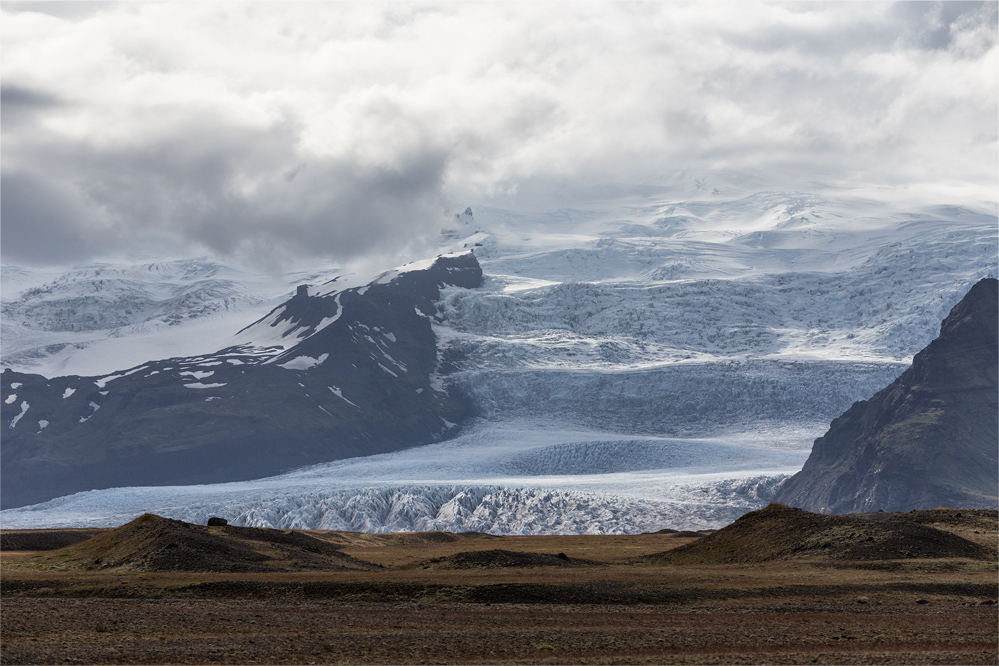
point(100, 318)
point(638, 363)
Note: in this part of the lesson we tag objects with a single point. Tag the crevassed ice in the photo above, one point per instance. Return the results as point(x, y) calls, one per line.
point(455, 508)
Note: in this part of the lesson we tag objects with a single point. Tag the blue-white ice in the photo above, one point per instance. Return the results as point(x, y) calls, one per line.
point(501, 478)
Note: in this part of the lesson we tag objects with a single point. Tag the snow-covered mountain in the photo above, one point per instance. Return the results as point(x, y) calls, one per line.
point(340, 372)
point(98, 318)
point(635, 363)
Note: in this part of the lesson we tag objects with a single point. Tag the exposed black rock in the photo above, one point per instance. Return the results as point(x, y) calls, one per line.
point(927, 440)
point(357, 382)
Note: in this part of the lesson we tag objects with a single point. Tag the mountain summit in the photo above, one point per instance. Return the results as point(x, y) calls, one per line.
point(927, 440)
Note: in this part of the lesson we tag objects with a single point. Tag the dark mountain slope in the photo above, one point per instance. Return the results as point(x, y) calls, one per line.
point(927, 440)
point(354, 378)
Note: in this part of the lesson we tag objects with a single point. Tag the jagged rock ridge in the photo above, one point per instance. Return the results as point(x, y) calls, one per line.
point(336, 374)
point(927, 440)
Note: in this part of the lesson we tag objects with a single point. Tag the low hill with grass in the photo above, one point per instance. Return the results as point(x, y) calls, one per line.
point(779, 532)
point(153, 543)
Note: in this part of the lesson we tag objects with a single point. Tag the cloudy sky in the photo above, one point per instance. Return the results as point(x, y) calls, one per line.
point(345, 130)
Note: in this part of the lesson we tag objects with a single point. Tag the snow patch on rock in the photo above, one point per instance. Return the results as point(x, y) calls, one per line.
point(304, 362)
point(339, 393)
point(24, 410)
point(197, 374)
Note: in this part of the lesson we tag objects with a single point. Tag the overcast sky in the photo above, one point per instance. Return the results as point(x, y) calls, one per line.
point(343, 130)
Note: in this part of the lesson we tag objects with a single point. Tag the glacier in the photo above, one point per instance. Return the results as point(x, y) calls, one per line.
point(519, 478)
point(637, 363)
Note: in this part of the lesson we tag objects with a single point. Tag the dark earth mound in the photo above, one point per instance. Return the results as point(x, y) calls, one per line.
point(46, 539)
point(433, 537)
point(683, 533)
point(496, 559)
point(928, 439)
point(152, 543)
point(779, 532)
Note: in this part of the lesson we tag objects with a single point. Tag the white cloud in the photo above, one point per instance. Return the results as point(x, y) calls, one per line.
point(344, 130)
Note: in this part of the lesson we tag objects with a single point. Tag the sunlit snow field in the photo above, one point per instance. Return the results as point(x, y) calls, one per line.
point(638, 363)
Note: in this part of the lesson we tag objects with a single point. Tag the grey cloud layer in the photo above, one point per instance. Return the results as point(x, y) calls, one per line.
point(233, 191)
point(344, 130)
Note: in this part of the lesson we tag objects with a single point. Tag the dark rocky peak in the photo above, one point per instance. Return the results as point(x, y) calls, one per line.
point(971, 324)
point(423, 286)
point(927, 440)
point(303, 315)
point(462, 225)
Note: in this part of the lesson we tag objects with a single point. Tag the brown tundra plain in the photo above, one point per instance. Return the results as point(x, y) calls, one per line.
point(778, 586)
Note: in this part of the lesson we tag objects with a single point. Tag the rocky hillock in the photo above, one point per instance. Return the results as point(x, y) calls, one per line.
point(779, 532)
point(152, 543)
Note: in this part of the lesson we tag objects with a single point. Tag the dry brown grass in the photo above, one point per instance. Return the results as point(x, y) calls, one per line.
point(630, 609)
point(604, 548)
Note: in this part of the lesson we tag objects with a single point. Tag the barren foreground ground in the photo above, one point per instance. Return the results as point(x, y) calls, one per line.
point(433, 602)
point(138, 631)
